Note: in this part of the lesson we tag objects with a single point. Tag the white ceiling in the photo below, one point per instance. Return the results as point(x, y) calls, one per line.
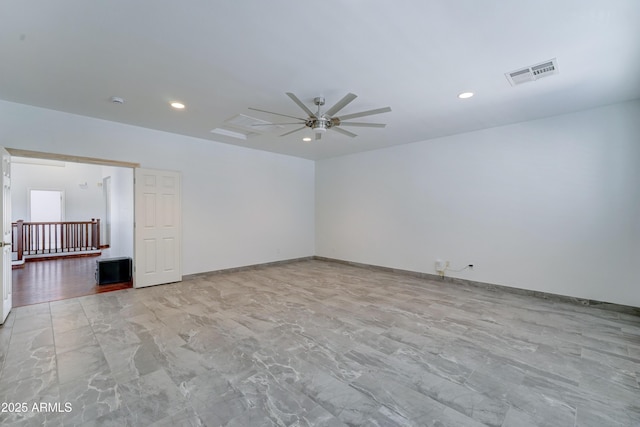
point(221, 57)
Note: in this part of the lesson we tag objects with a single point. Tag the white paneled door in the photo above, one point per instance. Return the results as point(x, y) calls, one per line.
point(158, 231)
point(5, 230)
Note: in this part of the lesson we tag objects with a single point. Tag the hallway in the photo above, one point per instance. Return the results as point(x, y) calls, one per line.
point(53, 280)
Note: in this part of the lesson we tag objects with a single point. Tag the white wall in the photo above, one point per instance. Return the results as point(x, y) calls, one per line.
point(550, 205)
point(239, 206)
point(121, 239)
point(81, 202)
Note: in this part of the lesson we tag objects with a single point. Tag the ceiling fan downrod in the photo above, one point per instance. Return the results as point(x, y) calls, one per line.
point(320, 124)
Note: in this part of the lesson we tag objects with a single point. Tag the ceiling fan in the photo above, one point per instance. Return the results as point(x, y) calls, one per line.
point(320, 122)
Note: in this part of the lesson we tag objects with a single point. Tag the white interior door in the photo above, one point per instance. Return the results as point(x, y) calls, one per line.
point(158, 230)
point(5, 230)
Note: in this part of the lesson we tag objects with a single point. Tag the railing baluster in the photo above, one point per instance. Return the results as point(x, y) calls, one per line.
point(98, 245)
point(17, 244)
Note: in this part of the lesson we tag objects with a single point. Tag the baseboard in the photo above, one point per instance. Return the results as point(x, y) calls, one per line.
point(246, 267)
point(58, 255)
point(436, 278)
point(627, 309)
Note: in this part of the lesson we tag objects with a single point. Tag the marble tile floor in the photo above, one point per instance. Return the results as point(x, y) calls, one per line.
point(316, 343)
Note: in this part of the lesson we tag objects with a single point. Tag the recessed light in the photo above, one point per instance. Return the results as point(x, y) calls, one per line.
point(177, 105)
point(465, 95)
point(306, 139)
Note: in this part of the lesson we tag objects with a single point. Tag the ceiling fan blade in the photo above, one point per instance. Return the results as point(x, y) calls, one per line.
point(300, 104)
point(340, 104)
point(277, 114)
point(295, 130)
point(275, 124)
point(366, 113)
point(344, 132)
point(364, 125)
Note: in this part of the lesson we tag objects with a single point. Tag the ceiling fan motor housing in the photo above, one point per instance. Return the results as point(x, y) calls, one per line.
point(319, 124)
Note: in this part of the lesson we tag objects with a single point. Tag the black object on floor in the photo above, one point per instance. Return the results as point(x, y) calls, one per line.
point(113, 270)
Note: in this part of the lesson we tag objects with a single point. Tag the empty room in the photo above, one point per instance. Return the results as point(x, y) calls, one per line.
point(343, 213)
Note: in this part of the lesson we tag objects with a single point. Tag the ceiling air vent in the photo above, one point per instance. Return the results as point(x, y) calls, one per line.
point(533, 72)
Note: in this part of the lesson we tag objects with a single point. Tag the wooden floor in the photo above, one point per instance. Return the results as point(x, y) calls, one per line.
point(53, 280)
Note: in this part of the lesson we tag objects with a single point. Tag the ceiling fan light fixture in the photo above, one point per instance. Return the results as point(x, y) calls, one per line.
point(320, 125)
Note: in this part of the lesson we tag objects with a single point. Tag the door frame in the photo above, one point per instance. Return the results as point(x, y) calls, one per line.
point(69, 158)
point(6, 286)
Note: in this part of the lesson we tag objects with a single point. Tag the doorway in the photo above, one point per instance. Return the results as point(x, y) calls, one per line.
point(158, 238)
point(45, 190)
